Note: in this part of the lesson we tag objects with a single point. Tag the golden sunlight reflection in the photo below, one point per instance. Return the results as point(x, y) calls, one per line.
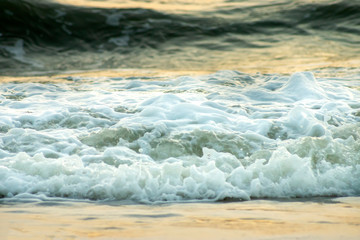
point(250, 220)
point(219, 35)
point(160, 5)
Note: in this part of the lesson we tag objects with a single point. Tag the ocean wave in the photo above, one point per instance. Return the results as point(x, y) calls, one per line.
point(31, 29)
point(222, 136)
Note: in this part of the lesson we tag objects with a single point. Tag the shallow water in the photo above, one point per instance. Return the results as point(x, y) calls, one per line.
point(311, 219)
point(129, 100)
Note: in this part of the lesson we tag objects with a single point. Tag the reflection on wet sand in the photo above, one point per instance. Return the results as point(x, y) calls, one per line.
point(259, 219)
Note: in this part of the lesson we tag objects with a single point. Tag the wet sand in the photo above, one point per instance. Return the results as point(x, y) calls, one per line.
point(337, 218)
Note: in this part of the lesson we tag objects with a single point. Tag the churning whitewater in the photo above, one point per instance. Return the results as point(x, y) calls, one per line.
point(226, 135)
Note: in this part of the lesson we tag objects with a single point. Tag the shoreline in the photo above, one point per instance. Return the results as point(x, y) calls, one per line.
point(71, 76)
point(322, 218)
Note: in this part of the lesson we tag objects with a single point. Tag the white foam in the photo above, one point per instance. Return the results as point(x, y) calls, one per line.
point(303, 86)
point(17, 51)
point(226, 135)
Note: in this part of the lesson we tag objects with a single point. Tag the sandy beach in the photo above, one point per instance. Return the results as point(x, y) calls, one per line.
point(337, 218)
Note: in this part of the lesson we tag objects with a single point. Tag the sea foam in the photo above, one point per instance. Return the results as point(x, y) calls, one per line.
point(222, 136)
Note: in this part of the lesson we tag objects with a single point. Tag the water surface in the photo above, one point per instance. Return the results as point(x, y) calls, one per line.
point(173, 101)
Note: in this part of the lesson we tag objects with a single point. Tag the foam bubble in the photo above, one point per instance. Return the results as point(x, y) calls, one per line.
point(225, 135)
point(303, 85)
